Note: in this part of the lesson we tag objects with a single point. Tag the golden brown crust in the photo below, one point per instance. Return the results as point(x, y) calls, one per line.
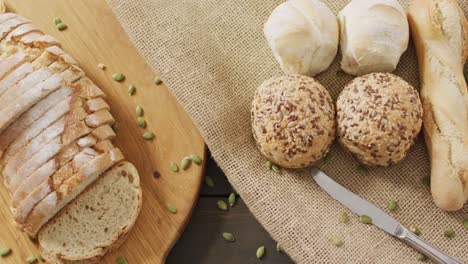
point(440, 33)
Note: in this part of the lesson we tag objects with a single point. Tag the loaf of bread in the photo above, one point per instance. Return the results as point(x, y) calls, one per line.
point(440, 33)
point(55, 132)
point(373, 36)
point(303, 35)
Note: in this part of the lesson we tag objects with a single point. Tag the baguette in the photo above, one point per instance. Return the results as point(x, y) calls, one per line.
point(440, 33)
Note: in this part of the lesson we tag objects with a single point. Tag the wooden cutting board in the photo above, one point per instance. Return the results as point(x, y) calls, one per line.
point(95, 36)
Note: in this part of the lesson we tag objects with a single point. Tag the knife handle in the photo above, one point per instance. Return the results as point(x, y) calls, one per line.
point(423, 247)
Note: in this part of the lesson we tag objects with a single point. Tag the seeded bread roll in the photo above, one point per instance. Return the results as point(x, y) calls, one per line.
point(379, 116)
point(293, 120)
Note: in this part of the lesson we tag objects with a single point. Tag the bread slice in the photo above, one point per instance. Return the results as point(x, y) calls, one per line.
point(95, 222)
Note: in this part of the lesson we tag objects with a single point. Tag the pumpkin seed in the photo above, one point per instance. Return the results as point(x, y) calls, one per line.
point(449, 233)
point(268, 164)
point(465, 223)
point(118, 77)
point(392, 205)
point(174, 167)
point(422, 257)
point(232, 199)
point(365, 219)
point(327, 158)
point(101, 66)
point(39, 257)
point(157, 80)
point(209, 181)
point(148, 135)
point(279, 248)
point(222, 205)
point(185, 163)
point(131, 89)
point(122, 260)
point(57, 21)
point(260, 252)
point(426, 181)
point(139, 111)
point(336, 241)
point(141, 122)
point(171, 208)
point(344, 218)
point(275, 168)
point(31, 259)
point(196, 159)
point(5, 251)
point(61, 26)
point(229, 237)
point(362, 169)
point(415, 230)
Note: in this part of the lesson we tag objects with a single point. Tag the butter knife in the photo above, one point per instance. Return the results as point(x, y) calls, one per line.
point(379, 218)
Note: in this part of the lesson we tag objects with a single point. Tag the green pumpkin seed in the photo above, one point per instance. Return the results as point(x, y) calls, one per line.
point(268, 164)
point(426, 181)
point(157, 80)
point(31, 259)
point(232, 199)
point(222, 205)
point(415, 230)
point(279, 248)
point(229, 237)
point(275, 168)
point(465, 223)
point(39, 257)
point(57, 21)
point(365, 219)
point(392, 205)
point(139, 111)
point(449, 233)
point(118, 77)
point(196, 159)
point(209, 181)
point(422, 257)
point(344, 218)
point(5, 251)
point(131, 90)
point(61, 26)
point(185, 163)
point(171, 208)
point(141, 122)
point(327, 158)
point(260, 252)
point(148, 135)
point(336, 241)
point(122, 260)
point(362, 169)
point(174, 167)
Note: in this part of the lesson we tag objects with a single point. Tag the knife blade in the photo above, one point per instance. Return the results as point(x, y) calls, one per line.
point(379, 218)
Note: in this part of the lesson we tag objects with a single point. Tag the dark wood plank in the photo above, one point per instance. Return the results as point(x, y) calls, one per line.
point(222, 186)
point(202, 241)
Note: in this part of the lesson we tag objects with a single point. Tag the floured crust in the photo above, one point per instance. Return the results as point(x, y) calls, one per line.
point(440, 32)
point(293, 120)
point(379, 116)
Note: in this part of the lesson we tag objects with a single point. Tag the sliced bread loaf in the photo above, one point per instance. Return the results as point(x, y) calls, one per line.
point(95, 222)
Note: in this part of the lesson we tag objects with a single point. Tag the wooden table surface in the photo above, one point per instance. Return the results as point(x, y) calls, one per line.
point(202, 241)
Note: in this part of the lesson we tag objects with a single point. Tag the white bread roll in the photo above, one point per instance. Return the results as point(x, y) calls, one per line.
point(373, 35)
point(440, 32)
point(303, 35)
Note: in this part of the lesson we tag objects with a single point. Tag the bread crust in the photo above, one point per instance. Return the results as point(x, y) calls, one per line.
point(440, 33)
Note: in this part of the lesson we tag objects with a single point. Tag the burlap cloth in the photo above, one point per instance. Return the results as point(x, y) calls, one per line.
point(212, 55)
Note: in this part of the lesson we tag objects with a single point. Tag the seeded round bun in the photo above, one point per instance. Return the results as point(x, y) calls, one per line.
point(293, 120)
point(379, 116)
